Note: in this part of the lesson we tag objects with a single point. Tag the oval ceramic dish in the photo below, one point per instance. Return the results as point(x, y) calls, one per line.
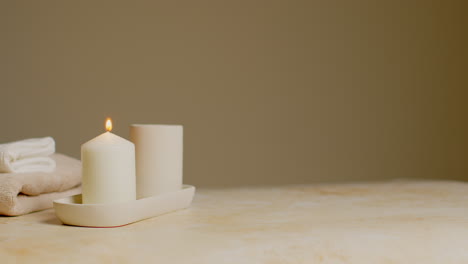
point(71, 211)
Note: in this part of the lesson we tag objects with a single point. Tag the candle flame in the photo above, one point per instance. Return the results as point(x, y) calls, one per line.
point(108, 124)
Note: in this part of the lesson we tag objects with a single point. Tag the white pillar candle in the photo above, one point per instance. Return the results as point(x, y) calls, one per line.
point(108, 169)
point(159, 155)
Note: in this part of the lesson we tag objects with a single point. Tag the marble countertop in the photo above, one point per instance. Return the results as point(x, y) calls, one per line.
point(386, 222)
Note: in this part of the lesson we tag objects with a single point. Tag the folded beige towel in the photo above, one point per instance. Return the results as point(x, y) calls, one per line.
point(22, 193)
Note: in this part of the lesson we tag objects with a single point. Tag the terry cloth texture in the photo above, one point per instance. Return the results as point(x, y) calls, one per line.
point(29, 155)
point(22, 193)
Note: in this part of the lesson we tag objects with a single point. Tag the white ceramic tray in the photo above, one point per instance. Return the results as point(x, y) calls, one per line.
point(71, 211)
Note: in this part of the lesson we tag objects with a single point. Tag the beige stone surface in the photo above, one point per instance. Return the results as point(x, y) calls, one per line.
point(386, 222)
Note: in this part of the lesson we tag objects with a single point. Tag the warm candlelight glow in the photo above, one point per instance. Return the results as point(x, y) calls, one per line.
point(108, 124)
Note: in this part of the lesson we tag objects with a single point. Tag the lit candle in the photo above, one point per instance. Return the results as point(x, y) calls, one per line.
point(108, 169)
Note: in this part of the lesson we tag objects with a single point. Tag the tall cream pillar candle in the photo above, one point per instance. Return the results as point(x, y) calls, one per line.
point(108, 169)
point(159, 155)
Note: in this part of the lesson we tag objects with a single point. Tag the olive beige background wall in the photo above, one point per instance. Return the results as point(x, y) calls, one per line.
point(269, 92)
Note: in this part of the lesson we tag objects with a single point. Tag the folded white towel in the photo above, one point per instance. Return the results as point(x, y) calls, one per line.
point(29, 155)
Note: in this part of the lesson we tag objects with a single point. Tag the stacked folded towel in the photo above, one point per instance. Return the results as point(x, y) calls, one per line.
point(33, 177)
point(30, 155)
